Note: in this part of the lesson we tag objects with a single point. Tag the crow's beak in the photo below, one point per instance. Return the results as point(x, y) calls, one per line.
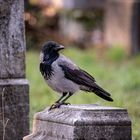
point(60, 47)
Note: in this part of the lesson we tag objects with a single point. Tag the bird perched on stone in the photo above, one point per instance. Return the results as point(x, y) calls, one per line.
point(64, 76)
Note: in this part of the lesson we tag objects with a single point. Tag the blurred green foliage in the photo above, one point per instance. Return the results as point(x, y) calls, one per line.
point(116, 53)
point(121, 79)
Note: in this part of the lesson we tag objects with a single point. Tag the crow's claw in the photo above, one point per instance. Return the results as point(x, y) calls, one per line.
point(57, 105)
point(65, 103)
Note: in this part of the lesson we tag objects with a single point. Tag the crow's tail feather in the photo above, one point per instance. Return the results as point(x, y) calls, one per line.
point(101, 92)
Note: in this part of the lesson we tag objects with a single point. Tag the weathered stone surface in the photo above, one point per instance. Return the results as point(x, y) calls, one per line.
point(12, 44)
point(14, 109)
point(14, 89)
point(82, 122)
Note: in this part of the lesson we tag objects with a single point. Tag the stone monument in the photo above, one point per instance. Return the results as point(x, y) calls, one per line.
point(14, 89)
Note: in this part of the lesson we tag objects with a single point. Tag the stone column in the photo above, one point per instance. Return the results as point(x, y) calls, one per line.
point(81, 122)
point(14, 89)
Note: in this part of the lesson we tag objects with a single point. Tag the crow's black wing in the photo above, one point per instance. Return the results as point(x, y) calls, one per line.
point(78, 76)
point(82, 78)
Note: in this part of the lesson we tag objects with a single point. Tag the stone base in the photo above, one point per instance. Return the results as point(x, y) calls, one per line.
point(81, 122)
point(14, 109)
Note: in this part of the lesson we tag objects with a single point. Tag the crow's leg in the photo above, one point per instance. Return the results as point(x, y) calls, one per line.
point(57, 102)
point(63, 101)
point(63, 95)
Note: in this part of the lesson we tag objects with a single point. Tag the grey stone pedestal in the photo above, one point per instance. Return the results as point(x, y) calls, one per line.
point(81, 122)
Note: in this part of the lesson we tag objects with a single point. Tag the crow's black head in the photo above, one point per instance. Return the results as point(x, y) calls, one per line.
point(50, 50)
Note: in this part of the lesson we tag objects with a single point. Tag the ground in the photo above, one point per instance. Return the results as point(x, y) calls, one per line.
point(117, 73)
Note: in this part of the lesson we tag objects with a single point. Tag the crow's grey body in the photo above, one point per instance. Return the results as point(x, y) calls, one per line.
point(57, 80)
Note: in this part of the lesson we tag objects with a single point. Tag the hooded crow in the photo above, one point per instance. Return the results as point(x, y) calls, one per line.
point(64, 76)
